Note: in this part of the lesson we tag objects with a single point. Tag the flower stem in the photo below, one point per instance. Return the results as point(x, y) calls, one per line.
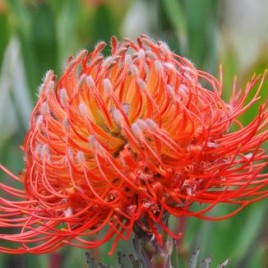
point(150, 252)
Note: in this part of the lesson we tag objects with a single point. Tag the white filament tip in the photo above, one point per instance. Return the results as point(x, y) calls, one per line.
point(90, 81)
point(107, 85)
point(82, 109)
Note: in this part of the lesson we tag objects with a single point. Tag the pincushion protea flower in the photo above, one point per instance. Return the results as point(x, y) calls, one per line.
point(125, 141)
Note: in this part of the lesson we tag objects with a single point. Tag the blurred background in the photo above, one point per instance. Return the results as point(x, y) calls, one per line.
point(38, 35)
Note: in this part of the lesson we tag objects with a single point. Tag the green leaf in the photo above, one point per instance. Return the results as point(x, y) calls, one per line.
point(21, 22)
point(194, 258)
point(205, 263)
point(5, 34)
point(249, 230)
point(258, 257)
point(258, 67)
point(176, 15)
point(44, 38)
point(224, 264)
point(201, 24)
point(103, 24)
point(67, 33)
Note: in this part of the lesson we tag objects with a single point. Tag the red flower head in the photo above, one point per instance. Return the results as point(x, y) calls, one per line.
point(126, 140)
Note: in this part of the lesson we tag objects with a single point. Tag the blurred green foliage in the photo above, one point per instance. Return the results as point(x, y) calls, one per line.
point(45, 33)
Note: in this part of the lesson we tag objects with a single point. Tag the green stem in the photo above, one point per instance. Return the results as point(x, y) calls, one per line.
point(150, 252)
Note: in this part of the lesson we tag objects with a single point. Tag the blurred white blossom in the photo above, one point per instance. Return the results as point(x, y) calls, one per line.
point(14, 94)
point(246, 28)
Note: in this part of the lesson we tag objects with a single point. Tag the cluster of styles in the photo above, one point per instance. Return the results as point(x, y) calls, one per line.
point(125, 141)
